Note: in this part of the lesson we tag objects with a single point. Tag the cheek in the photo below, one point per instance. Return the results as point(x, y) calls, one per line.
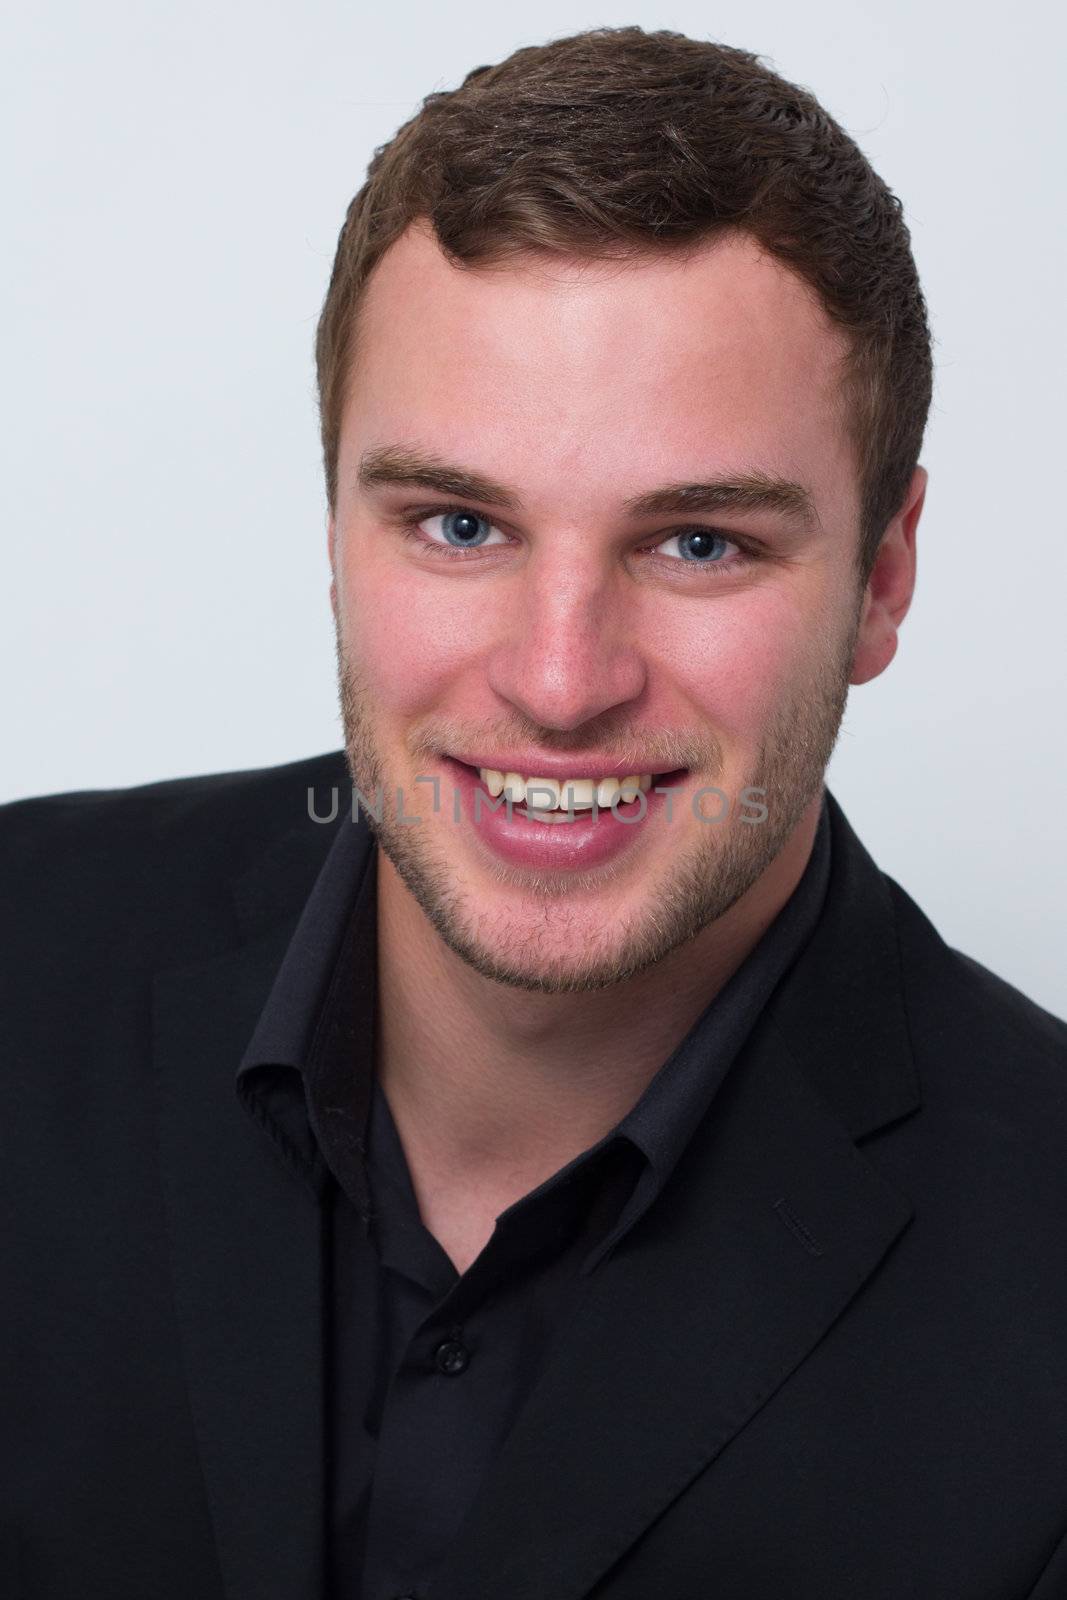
point(740, 657)
point(403, 636)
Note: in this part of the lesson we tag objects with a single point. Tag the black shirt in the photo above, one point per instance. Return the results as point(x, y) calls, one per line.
point(427, 1368)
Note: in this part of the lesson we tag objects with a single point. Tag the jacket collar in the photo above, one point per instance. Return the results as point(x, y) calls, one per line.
point(769, 1225)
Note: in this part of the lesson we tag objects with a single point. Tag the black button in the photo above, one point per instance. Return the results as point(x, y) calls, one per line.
point(451, 1357)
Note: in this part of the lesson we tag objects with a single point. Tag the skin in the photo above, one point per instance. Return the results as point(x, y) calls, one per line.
point(523, 1013)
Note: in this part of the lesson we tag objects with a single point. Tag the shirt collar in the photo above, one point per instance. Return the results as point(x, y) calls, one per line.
point(343, 891)
point(683, 1087)
point(306, 1073)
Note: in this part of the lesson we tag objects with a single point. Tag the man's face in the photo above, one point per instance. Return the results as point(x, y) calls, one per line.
point(716, 637)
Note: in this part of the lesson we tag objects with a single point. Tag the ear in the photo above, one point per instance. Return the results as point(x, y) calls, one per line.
point(889, 587)
point(331, 546)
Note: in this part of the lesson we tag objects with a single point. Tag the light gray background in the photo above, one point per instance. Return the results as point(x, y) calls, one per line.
point(178, 176)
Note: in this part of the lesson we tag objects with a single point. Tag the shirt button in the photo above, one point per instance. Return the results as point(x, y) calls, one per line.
point(451, 1357)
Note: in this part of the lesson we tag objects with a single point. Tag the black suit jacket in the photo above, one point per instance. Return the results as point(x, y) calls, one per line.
point(830, 1363)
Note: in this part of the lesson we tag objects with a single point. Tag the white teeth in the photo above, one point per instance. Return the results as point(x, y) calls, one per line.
point(581, 792)
point(542, 794)
point(553, 799)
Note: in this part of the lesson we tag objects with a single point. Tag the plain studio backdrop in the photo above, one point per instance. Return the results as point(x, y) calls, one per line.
point(177, 176)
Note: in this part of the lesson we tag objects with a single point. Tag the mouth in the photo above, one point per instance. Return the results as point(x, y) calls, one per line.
point(561, 825)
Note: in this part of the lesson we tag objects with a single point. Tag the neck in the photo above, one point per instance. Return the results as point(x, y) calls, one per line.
point(498, 1087)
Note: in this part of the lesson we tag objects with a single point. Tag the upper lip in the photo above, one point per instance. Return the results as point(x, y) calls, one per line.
point(529, 764)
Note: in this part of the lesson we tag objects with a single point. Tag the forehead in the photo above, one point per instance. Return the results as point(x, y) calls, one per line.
point(607, 371)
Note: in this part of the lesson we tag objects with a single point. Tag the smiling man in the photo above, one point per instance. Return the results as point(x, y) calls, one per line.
point(584, 532)
point(535, 1150)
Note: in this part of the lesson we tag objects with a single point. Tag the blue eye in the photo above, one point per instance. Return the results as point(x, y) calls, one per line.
point(463, 530)
point(699, 546)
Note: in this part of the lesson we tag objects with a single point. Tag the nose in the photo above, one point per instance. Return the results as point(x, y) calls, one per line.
point(565, 653)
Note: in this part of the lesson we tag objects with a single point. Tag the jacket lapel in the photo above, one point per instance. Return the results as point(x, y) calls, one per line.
point(771, 1224)
point(247, 1241)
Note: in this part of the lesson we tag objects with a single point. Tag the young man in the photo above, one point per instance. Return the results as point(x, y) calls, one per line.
point(535, 1151)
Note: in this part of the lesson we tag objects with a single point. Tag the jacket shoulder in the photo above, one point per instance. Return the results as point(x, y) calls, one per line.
point(949, 983)
point(76, 862)
point(972, 1027)
point(203, 794)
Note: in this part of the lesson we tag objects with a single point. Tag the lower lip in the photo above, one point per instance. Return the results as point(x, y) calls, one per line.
point(586, 842)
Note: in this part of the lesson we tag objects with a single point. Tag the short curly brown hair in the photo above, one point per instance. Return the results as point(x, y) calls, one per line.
point(616, 142)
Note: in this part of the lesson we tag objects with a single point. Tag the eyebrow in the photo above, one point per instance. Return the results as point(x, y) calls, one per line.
point(750, 491)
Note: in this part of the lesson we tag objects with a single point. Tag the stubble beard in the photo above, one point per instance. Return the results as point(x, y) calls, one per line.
point(717, 866)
